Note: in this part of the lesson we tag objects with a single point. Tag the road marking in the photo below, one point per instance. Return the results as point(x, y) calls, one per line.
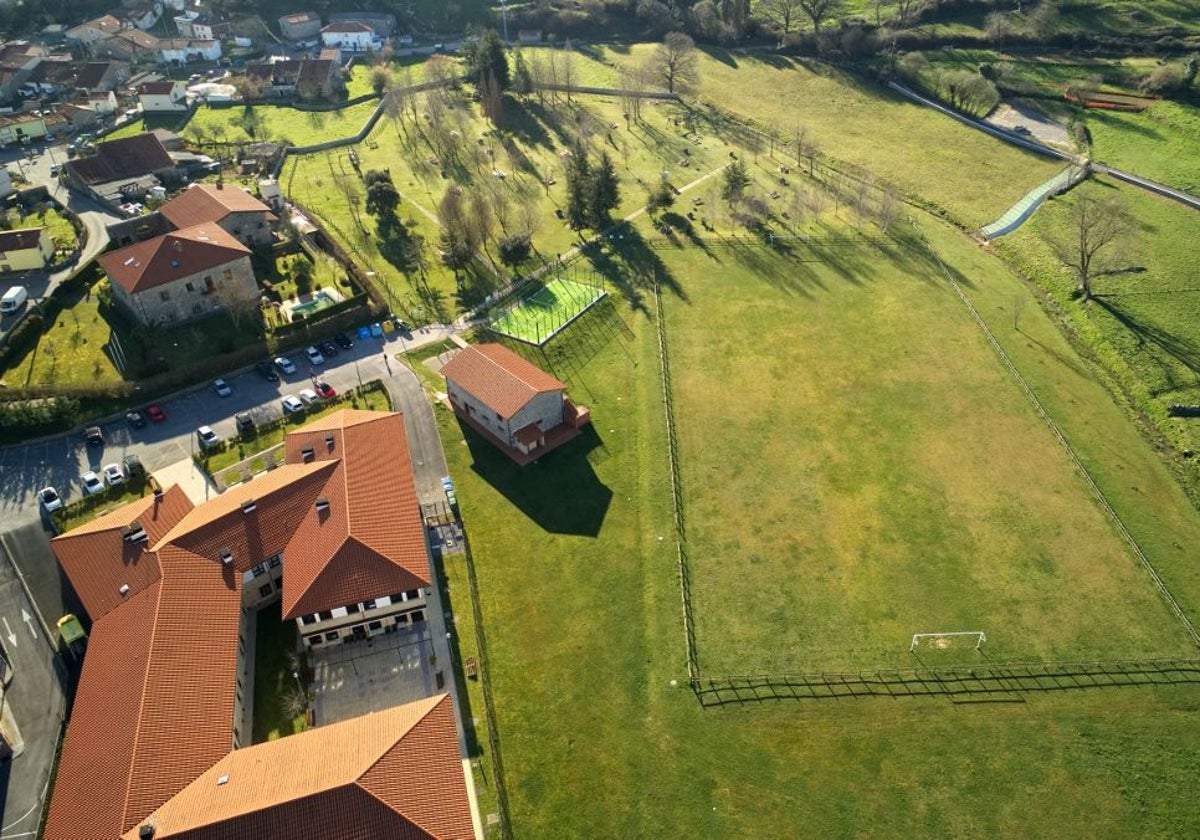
point(28, 619)
point(12, 637)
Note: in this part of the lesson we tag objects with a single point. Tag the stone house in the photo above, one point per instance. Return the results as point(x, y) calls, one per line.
point(351, 36)
point(301, 25)
point(239, 213)
point(181, 275)
point(162, 97)
point(513, 403)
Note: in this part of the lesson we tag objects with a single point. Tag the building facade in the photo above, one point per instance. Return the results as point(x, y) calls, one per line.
point(162, 97)
point(25, 250)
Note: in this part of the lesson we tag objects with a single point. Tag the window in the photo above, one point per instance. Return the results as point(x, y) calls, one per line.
point(229, 274)
point(275, 561)
point(208, 283)
point(338, 612)
point(191, 287)
point(375, 625)
point(164, 295)
point(308, 619)
point(353, 608)
point(265, 590)
point(259, 570)
point(331, 636)
point(369, 605)
point(417, 615)
point(325, 615)
point(412, 594)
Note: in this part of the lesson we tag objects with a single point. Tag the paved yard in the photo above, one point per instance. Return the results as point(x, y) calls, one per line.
point(366, 676)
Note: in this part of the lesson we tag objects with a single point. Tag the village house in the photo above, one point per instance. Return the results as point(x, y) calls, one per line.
point(131, 44)
point(128, 166)
point(21, 128)
point(305, 78)
point(94, 31)
point(18, 60)
point(202, 26)
point(101, 76)
point(162, 97)
point(26, 249)
point(301, 25)
point(78, 116)
point(102, 103)
point(235, 210)
point(383, 23)
point(180, 51)
point(350, 36)
point(181, 275)
point(511, 402)
point(157, 744)
point(142, 15)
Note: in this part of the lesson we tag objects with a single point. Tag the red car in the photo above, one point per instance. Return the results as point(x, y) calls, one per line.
point(155, 413)
point(325, 389)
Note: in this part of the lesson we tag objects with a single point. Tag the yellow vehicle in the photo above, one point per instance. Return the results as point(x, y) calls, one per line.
point(72, 633)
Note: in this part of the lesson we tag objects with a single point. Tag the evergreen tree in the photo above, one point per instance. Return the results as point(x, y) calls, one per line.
point(579, 184)
point(486, 55)
point(522, 82)
point(605, 192)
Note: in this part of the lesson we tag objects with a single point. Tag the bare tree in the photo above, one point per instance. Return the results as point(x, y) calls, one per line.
point(676, 64)
point(537, 75)
point(804, 147)
point(887, 211)
point(1097, 226)
point(819, 11)
point(782, 13)
point(567, 66)
point(240, 303)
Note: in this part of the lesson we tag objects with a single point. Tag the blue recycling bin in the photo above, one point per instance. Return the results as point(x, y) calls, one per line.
point(364, 333)
point(377, 330)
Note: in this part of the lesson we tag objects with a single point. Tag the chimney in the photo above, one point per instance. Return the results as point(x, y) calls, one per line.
point(226, 557)
point(322, 505)
point(146, 831)
point(248, 506)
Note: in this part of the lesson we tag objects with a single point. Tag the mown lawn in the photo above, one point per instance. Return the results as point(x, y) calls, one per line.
point(873, 472)
point(277, 123)
point(1159, 143)
point(580, 600)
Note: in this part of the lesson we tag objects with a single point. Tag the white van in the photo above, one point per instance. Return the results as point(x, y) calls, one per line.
point(13, 300)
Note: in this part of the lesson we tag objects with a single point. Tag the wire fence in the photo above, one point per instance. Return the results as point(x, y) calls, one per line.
point(489, 703)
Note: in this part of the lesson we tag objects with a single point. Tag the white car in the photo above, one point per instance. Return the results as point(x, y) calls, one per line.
point(291, 405)
point(314, 355)
point(113, 475)
point(208, 438)
point(50, 499)
point(309, 396)
point(91, 483)
point(222, 388)
point(285, 364)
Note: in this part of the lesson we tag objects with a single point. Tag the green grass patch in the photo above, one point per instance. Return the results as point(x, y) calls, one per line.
point(858, 492)
point(275, 660)
point(276, 123)
point(1158, 143)
point(88, 508)
point(580, 600)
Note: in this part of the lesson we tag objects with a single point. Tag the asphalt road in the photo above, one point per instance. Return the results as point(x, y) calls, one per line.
point(35, 698)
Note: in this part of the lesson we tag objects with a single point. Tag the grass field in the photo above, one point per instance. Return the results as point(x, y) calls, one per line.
point(580, 599)
point(859, 491)
point(539, 317)
point(1159, 143)
point(278, 123)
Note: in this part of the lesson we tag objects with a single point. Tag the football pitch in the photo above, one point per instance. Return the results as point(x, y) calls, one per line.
point(539, 317)
point(871, 471)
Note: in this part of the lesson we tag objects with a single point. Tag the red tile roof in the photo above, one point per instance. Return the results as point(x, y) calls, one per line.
point(396, 773)
point(347, 26)
point(83, 552)
point(371, 539)
point(156, 88)
point(211, 203)
point(498, 377)
point(20, 240)
point(155, 707)
point(172, 256)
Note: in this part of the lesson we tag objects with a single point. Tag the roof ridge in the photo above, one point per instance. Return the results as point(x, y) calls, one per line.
point(404, 734)
point(511, 373)
point(137, 729)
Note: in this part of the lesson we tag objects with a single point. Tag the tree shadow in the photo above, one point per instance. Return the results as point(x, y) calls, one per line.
point(720, 54)
point(1181, 349)
point(560, 491)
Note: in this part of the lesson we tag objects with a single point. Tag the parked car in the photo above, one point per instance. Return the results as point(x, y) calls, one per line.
point(155, 413)
point(136, 419)
point(285, 365)
point(291, 405)
point(268, 373)
point(94, 436)
point(344, 341)
point(309, 396)
point(132, 465)
point(91, 483)
point(113, 475)
point(245, 423)
point(326, 390)
point(222, 388)
point(328, 349)
point(50, 499)
point(314, 356)
point(207, 437)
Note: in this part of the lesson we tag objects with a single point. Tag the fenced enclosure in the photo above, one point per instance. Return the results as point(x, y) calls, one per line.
point(543, 314)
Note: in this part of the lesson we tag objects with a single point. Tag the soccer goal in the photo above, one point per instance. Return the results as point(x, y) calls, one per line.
point(941, 641)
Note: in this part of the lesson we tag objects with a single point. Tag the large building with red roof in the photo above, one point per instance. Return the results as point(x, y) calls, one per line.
point(234, 210)
point(173, 589)
point(511, 402)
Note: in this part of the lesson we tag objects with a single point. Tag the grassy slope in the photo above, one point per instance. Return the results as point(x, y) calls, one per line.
point(859, 491)
point(971, 176)
point(279, 123)
point(585, 636)
point(1159, 143)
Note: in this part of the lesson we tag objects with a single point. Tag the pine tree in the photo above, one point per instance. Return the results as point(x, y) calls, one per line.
point(605, 193)
point(579, 184)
